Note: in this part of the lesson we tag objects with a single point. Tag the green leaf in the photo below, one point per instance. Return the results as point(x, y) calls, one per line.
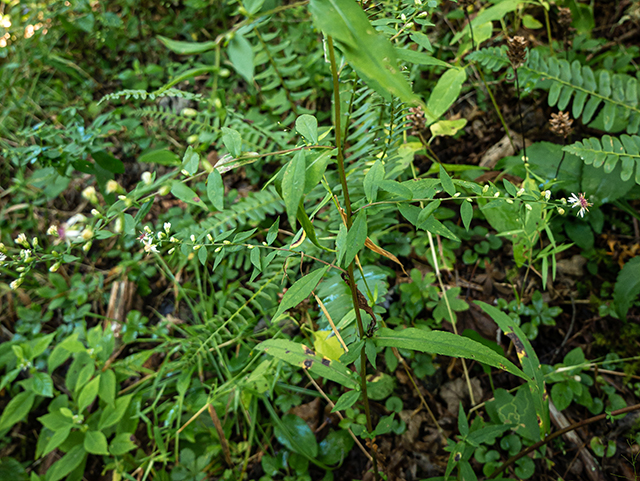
point(42, 384)
point(107, 391)
point(561, 395)
point(121, 444)
point(112, 414)
point(370, 54)
point(95, 443)
point(446, 344)
point(161, 157)
point(528, 359)
point(295, 434)
point(186, 48)
point(300, 290)
point(215, 190)
point(372, 179)
point(89, 393)
point(627, 286)
point(190, 161)
point(241, 57)
point(447, 127)
point(307, 126)
point(335, 447)
point(17, 409)
point(428, 211)
point(186, 194)
point(347, 400)
point(302, 356)
point(293, 185)
point(436, 227)
point(447, 183)
point(356, 237)
point(419, 58)
point(232, 141)
point(67, 463)
point(108, 162)
point(530, 22)
point(445, 93)
point(466, 213)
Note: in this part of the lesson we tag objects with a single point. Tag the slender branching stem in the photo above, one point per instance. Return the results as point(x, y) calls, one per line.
point(524, 143)
point(348, 212)
point(553, 436)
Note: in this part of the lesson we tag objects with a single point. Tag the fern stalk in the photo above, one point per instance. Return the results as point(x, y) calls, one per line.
point(352, 283)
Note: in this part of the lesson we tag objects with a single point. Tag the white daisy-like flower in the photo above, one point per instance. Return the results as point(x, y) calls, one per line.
point(22, 240)
point(580, 201)
point(167, 227)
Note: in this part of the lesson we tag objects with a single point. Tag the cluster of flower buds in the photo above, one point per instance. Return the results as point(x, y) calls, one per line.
point(150, 240)
point(560, 124)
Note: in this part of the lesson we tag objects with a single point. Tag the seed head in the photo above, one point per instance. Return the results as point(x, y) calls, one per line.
point(517, 51)
point(564, 18)
point(561, 124)
point(416, 117)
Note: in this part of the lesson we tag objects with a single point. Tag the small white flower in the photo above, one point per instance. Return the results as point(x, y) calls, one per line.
point(90, 194)
point(196, 247)
point(509, 201)
point(34, 242)
point(119, 225)
point(457, 194)
point(560, 211)
point(210, 237)
point(167, 227)
point(22, 240)
point(25, 254)
point(76, 219)
point(15, 284)
point(497, 194)
point(112, 186)
point(547, 194)
point(148, 230)
point(2, 258)
point(174, 240)
point(95, 213)
point(520, 192)
point(87, 233)
point(123, 198)
point(87, 246)
point(218, 249)
point(580, 201)
point(171, 251)
point(485, 189)
point(54, 267)
point(150, 248)
point(146, 178)
point(528, 206)
point(53, 230)
point(193, 238)
point(185, 172)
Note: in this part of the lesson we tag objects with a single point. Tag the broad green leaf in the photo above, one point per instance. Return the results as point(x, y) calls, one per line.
point(428, 211)
point(445, 344)
point(17, 409)
point(95, 442)
point(161, 157)
point(232, 141)
point(447, 127)
point(372, 179)
point(299, 437)
point(186, 48)
point(302, 356)
point(347, 400)
point(466, 213)
point(419, 58)
point(186, 194)
point(300, 290)
point(356, 237)
point(307, 126)
point(490, 14)
point(627, 286)
point(293, 185)
point(89, 393)
point(528, 359)
point(370, 54)
point(112, 414)
point(241, 57)
point(42, 384)
point(121, 444)
point(335, 447)
point(190, 161)
point(107, 391)
point(59, 436)
point(67, 463)
point(108, 162)
point(215, 190)
point(447, 183)
point(445, 93)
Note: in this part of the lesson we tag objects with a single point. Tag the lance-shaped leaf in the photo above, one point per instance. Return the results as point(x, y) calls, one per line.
point(446, 344)
point(529, 361)
point(304, 357)
point(370, 54)
point(186, 48)
point(299, 291)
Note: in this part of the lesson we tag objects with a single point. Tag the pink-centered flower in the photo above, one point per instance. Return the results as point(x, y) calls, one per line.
point(580, 201)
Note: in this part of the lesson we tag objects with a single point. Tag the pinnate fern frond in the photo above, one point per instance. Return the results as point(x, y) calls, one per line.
point(608, 151)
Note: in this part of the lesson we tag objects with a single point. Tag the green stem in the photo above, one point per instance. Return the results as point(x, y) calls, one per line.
point(497, 109)
point(347, 202)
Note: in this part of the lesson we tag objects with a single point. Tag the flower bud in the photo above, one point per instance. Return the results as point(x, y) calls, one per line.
point(90, 194)
point(146, 178)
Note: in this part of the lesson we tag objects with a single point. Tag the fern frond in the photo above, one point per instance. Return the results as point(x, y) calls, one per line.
point(144, 95)
point(491, 58)
point(618, 93)
point(608, 151)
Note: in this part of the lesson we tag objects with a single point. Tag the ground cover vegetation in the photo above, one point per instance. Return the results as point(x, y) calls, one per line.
point(323, 239)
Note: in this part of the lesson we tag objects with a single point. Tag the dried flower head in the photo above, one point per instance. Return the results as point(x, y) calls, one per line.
point(564, 18)
point(417, 119)
point(561, 124)
point(517, 51)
